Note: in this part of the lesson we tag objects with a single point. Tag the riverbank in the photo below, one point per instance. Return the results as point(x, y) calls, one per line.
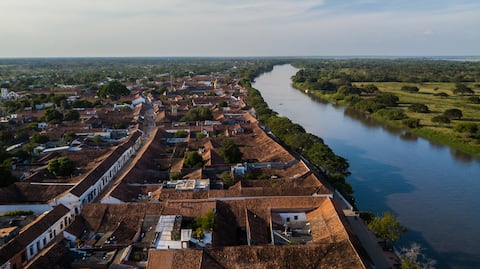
point(442, 133)
point(294, 137)
point(420, 181)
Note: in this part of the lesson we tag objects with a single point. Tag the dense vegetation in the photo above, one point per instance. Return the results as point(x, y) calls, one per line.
point(230, 152)
point(294, 137)
point(387, 70)
point(198, 114)
point(61, 166)
point(426, 97)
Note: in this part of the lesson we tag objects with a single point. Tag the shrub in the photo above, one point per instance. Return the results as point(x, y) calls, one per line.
point(409, 88)
point(469, 127)
point(18, 213)
point(391, 114)
point(474, 99)
point(453, 114)
point(441, 119)
point(193, 160)
point(419, 108)
point(411, 122)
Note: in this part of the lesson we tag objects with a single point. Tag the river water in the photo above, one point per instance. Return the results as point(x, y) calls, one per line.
point(432, 189)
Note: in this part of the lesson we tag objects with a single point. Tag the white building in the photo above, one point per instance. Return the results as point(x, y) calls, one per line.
point(95, 181)
point(25, 246)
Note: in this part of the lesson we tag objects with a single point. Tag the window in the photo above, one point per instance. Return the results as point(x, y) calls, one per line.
point(61, 226)
point(295, 217)
point(51, 235)
point(31, 250)
point(24, 257)
point(44, 241)
point(38, 245)
point(288, 219)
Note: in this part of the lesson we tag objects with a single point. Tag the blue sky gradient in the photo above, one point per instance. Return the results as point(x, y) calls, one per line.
point(63, 28)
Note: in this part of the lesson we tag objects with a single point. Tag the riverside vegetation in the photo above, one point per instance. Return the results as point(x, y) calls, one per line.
point(294, 137)
point(438, 100)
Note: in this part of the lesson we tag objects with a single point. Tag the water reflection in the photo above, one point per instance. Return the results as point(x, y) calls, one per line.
point(432, 189)
point(409, 137)
point(461, 156)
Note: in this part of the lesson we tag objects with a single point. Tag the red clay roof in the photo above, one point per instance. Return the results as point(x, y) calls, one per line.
point(103, 167)
point(32, 232)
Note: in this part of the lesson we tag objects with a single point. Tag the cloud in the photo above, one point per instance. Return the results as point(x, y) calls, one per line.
point(231, 27)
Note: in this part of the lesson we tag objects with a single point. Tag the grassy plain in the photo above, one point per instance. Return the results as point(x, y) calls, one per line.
point(428, 95)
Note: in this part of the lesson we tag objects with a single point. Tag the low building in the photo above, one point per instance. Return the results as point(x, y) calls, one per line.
point(35, 237)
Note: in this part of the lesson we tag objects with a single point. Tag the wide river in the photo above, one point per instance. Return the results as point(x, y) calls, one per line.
point(432, 189)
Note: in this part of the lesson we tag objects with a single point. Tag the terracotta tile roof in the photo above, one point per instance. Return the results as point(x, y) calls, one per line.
point(315, 256)
point(103, 167)
point(57, 257)
point(123, 220)
point(258, 229)
point(270, 151)
point(181, 259)
point(24, 192)
point(32, 232)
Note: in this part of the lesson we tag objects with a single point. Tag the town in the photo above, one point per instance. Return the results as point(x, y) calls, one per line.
point(123, 175)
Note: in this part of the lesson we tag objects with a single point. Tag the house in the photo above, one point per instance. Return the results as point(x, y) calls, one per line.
point(42, 125)
point(35, 197)
point(35, 237)
point(96, 180)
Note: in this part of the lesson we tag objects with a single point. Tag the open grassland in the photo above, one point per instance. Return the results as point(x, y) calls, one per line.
point(428, 95)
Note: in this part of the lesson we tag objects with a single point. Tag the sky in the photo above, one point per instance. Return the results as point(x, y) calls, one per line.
point(137, 28)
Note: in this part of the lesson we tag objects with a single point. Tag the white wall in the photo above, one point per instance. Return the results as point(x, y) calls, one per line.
point(300, 216)
point(46, 237)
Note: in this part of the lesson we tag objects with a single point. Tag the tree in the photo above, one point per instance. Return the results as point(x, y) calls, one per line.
point(419, 108)
point(409, 88)
point(193, 160)
point(206, 222)
point(461, 89)
point(72, 115)
point(39, 138)
point(413, 258)
point(441, 119)
point(81, 103)
point(53, 116)
point(226, 179)
point(387, 227)
point(388, 99)
point(6, 177)
point(198, 114)
point(230, 152)
point(453, 114)
point(113, 90)
point(61, 166)
point(97, 139)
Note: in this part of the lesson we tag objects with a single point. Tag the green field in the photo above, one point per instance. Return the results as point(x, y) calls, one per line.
point(441, 133)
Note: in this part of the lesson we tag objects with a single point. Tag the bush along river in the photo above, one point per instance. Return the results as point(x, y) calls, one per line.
point(432, 189)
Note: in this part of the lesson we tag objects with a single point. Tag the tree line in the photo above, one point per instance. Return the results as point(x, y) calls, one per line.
point(294, 137)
